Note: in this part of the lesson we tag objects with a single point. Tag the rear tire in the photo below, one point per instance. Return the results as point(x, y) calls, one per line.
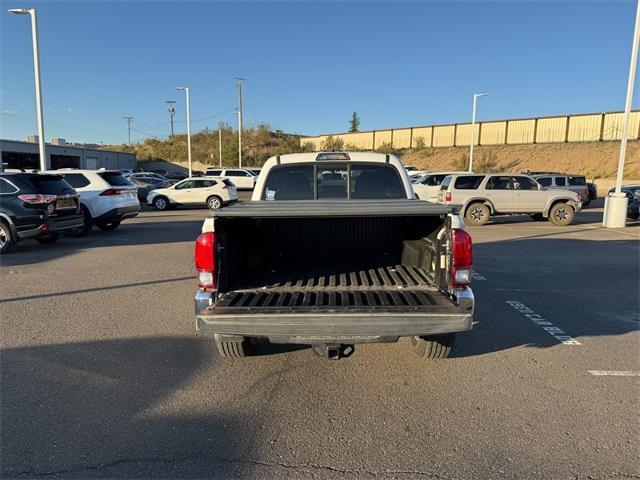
point(433, 346)
point(561, 214)
point(214, 202)
point(108, 226)
point(6, 237)
point(240, 349)
point(161, 203)
point(49, 239)
point(477, 214)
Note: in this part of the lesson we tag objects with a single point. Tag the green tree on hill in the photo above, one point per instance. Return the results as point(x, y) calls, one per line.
point(354, 123)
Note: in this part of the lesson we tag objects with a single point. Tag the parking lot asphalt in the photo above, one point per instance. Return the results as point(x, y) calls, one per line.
point(103, 376)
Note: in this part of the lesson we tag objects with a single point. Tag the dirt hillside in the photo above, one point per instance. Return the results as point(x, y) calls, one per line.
point(596, 160)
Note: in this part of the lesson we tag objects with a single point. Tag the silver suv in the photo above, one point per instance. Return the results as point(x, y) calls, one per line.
point(482, 196)
point(562, 181)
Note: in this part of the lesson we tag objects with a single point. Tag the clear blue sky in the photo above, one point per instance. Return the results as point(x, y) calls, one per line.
point(309, 65)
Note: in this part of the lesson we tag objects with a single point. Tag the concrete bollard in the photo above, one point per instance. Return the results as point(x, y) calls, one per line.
point(615, 211)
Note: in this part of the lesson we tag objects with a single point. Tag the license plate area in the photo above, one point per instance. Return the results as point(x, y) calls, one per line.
point(65, 204)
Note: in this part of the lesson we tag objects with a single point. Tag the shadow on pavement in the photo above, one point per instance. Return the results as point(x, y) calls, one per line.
point(128, 234)
point(588, 288)
point(99, 409)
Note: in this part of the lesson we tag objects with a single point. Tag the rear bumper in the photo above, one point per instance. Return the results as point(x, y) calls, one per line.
point(53, 225)
point(118, 214)
point(321, 326)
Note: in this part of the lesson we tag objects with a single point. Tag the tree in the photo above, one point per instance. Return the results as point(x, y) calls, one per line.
point(354, 123)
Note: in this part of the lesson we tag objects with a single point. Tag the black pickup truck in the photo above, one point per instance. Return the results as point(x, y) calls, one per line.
point(334, 250)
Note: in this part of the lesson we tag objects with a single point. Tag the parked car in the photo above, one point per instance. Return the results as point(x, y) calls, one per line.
point(633, 194)
point(593, 190)
point(209, 191)
point(177, 175)
point(125, 171)
point(255, 171)
point(158, 180)
point(481, 196)
point(561, 181)
point(243, 179)
point(357, 260)
point(143, 188)
point(37, 206)
point(428, 186)
point(106, 197)
point(159, 171)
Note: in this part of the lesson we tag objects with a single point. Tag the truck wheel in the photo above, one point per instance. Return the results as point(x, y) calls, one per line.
point(235, 349)
point(6, 239)
point(214, 202)
point(49, 239)
point(561, 214)
point(433, 346)
point(538, 217)
point(477, 214)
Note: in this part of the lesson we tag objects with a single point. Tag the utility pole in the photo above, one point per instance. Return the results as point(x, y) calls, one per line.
point(36, 72)
point(220, 142)
point(473, 127)
point(129, 120)
point(172, 112)
point(615, 205)
point(239, 81)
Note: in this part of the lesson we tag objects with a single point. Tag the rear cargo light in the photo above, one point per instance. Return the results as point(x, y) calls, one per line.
point(110, 191)
point(205, 260)
point(447, 197)
point(37, 198)
point(461, 258)
point(226, 187)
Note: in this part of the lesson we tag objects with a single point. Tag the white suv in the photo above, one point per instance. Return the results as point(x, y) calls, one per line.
point(209, 191)
point(106, 197)
point(241, 178)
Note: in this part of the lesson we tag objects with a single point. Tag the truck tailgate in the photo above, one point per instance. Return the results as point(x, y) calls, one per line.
point(381, 301)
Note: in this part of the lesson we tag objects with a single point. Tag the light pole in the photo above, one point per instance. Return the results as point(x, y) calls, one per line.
point(615, 205)
point(239, 113)
point(239, 81)
point(186, 92)
point(172, 112)
point(473, 127)
point(36, 71)
point(129, 120)
point(220, 143)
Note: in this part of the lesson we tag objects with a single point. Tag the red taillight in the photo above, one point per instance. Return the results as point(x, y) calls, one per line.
point(109, 192)
point(226, 187)
point(447, 197)
point(461, 258)
point(205, 260)
point(37, 198)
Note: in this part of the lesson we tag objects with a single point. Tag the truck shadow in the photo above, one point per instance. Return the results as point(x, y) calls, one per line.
point(103, 409)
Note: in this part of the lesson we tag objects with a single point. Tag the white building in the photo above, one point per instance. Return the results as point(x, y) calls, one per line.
point(18, 154)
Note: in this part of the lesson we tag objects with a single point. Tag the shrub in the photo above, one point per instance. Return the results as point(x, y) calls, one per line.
point(419, 143)
point(331, 144)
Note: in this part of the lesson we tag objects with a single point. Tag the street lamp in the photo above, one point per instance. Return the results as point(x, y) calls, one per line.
point(36, 71)
point(473, 127)
point(186, 91)
point(615, 205)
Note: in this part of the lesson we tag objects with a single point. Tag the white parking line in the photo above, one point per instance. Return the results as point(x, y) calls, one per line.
point(547, 326)
point(614, 373)
point(477, 276)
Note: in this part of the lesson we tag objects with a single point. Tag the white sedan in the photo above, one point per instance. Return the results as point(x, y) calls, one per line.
point(194, 191)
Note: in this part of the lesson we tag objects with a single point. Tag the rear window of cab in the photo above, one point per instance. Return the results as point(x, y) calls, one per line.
point(333, 180)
